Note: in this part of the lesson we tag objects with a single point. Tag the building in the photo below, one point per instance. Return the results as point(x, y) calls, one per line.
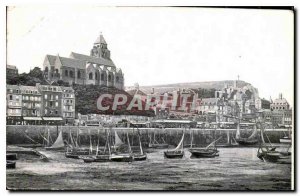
point(68, 105)
point(280, 104)
point(96, 68)
point(13, 104)
point(11, 71)
point(31, 104)
point(51, 109)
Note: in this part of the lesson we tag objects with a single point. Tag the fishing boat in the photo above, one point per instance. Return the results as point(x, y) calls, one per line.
point(251, 140)
point(270, 154)
point(209, 151)
point(177, 152)
point(73, 149)
point(100, 156)
point(153, 143)
point(58, 144)
point(121, 156)
point(10, 164)
point(142, 155)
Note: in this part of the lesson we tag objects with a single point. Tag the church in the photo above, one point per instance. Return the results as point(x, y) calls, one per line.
point(96, 69)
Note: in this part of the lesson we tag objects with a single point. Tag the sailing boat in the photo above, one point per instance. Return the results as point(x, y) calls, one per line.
point(176, 152)
point(100, 157)
point(270, 154)
point(119, 156)
point(73, 149)
point(246, 141)
point(141, 156)
point(209, 151)
point(58, 144)
point(156, 144)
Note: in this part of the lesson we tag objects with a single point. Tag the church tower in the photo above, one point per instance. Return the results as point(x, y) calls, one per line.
point(100, 48)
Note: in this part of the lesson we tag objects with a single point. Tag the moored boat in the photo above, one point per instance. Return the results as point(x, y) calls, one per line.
point(58, 144)
point(10, 164)
point(177, 152)
point(210, 151)
point(251, 140)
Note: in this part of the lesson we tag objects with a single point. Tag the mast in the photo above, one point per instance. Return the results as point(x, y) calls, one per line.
point(238, 134)
point(192, 138)
point(141, 148)
point(91, 145)
point(129, 147)
point(97, 149)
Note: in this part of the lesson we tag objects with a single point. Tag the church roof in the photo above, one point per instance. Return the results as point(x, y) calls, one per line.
point(68, 62)
point(100, 40)
point(51, 59)
point(91, 59)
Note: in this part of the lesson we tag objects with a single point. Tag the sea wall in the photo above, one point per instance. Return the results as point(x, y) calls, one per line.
point(23, 134)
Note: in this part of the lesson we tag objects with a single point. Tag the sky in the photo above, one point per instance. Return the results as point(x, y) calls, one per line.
point(164, 45)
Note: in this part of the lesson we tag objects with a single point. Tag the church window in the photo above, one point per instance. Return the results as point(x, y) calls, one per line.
point(96, 76)
point(78, 74)
point(117, 78)
point(91, 76)
point(66, 73)
point(46, 69)
point(102, 77)
point(109, 78)
point(71, 74)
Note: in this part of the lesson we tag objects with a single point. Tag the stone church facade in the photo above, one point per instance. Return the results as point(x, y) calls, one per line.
point(96, 69)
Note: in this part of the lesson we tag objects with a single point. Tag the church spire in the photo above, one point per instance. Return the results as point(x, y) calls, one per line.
point(100, 39)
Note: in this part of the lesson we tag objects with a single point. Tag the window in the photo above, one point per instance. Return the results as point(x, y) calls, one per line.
point(91, 76)
point(66, 73)
point(56, 97)
point(78, 74)
point(71, 74)
point(96, 76)
point(10, 97)
point(56, 112)
point(46, 111)
point(50, 104)
point(46, 96)
point(56, 103)
point(102, 77)
point(109, 78)
point(46, 69)
point(117, 78)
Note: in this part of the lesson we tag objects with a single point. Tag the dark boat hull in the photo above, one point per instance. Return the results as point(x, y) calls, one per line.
point(204, 153)
point(246, 142)
point(71, 155)
point(173, 155)
point(55, 149)
point(11, 156)
point(10, 164)
point(121, 158)
point(142, 157)
point(100, 158)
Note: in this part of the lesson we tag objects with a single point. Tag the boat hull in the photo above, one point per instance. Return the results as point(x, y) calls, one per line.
point(121, 158)
point(245, 142)
point(204, 153)
point(142, 157)
point(285, 141)
point(10, 164)
point(174, 154)
point(99, 158)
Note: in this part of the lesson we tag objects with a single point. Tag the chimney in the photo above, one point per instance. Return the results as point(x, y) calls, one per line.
point(280, 95)
point(152, 90)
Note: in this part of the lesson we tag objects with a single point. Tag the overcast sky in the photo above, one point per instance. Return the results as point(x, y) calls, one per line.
point(164, 45)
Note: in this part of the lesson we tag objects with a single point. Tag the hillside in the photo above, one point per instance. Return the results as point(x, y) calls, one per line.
point(193, 85)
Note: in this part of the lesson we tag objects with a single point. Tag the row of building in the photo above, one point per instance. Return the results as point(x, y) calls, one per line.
point(232, 101)
point(40, 104)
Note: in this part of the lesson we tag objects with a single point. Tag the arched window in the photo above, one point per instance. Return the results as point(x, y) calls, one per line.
point(117, 79)
point(78, 74)
point(109, 78)
point(102, 77)
point(66, 73)
point(96, 76)
point(71, 74)
point(46, 69)
point(91, 76)
point(56, 71)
